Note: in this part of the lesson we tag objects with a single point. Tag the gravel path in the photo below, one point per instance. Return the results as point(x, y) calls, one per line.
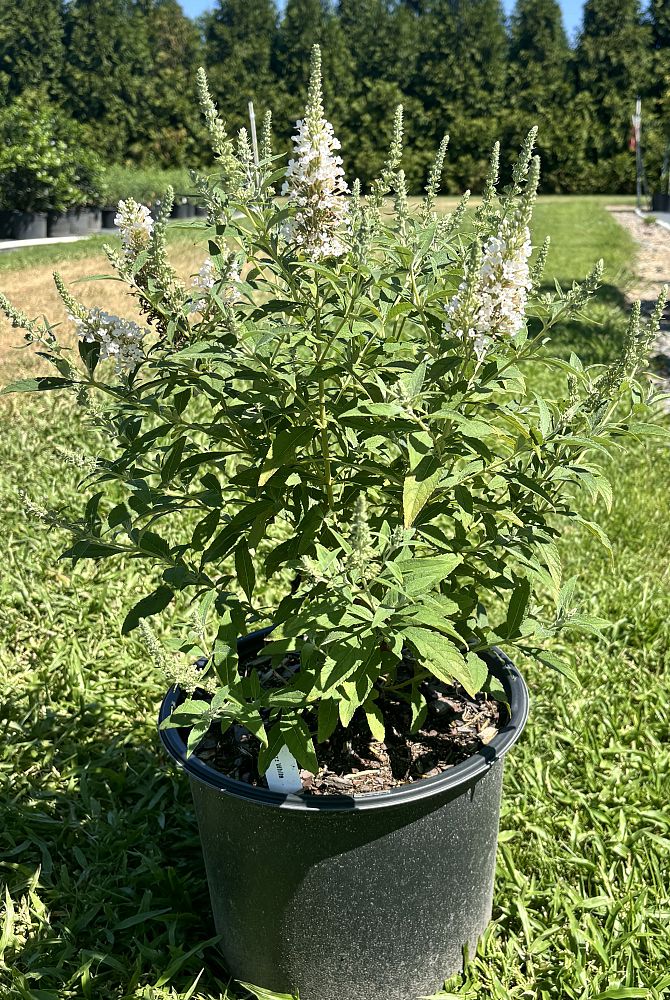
point(652, 271)
point(652, 261)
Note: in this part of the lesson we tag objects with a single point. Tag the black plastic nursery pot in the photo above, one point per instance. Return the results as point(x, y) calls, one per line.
point(182, 211)
point(363, 897)
point(107, 218)
point(59, 224)
point(6, 225)
point(29, 225)
point(94, 220)
point(79, 221)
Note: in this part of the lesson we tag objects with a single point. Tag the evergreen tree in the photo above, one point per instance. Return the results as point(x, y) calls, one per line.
point(240, 36)
point(612, 67)
point(169, 131)
point(460, 81)
point(540, 87)
point(31, 46)
point(369, 29)
point(539, 55)
point(659, 15)
point(657, 122)
point(380, 36)
point(108, 59)
point(305, 23)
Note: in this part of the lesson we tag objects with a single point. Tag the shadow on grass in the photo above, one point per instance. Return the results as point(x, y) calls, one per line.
point(102, 861)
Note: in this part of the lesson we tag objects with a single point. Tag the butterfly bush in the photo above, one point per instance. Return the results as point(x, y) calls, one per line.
point(120, 339)
point(351, 428)
point(315, 181)
point(135, 224)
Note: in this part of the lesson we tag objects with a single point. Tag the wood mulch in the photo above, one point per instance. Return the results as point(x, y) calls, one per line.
point(353, 762)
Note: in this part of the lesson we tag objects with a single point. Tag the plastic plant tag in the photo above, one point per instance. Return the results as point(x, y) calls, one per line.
point(283, 774)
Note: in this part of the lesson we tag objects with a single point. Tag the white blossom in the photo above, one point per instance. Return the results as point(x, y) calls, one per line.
point(496, 305)
point(315, 180)
point(120, 339)
point(136, 225)
point(208, 276)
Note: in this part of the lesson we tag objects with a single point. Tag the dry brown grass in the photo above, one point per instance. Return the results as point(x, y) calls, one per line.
point(32, 290)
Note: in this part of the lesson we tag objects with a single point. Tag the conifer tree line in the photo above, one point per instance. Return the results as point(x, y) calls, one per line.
point(126, 69)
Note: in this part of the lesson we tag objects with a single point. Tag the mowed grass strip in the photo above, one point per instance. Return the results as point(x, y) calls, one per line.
point(104, 889)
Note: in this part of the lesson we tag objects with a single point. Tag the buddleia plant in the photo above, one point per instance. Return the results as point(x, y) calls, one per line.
point(336, 431)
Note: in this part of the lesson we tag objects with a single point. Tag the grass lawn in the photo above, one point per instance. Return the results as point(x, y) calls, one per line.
point(105, 888)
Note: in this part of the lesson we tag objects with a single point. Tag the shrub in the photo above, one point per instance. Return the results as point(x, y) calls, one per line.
point(144, 184)
point(338, 411)
point(45, 161)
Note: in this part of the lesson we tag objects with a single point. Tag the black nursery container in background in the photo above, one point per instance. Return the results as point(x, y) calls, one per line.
point(367, 897)
point(79, 221)
point(59, 224)
point(182, 210)
point(94, 219)
point(107, 218)
point(29, 225)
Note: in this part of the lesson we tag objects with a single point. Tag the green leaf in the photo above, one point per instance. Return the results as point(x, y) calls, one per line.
point(283, 449)
point(268, 753)
point(244, 568)
point(205, 528)
point(566, 596)
point(421, 614)
point(516, 610)
point(552, 661)
point(89, 352)
point(150, 605)
point(196, 734)
point(139, 918)
point(598, 533)
point(375, 719)
point(419, 707)
point(327, 719)
point(445, 661)
point(624, 993)
point(42, 384)
point(262, 994)
point(425, 474)
point(172, 460)
point(422, 574)
point(186, 714)
point(297, 739)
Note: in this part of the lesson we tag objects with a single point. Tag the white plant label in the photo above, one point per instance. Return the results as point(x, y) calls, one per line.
point(283, 774)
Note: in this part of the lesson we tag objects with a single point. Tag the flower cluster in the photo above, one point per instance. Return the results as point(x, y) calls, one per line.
point(494, 303)
point(315, 180)
point(207, 277)
point(136, 225)
point(120, 339)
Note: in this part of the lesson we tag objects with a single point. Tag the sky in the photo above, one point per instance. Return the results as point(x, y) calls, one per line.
point(572, 10)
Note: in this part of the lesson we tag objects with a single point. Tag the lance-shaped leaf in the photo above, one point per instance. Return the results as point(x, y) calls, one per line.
point(283, 450)
point(41, 384)
point(244, 568)
point(424, 477)
point(445, 661)
point(424, 573)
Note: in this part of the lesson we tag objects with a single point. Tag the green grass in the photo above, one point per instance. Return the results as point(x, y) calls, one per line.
point(106, 895)
point(25, 257)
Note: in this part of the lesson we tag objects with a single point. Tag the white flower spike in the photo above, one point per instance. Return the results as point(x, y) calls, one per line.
point(315, 179)
point(136, 225)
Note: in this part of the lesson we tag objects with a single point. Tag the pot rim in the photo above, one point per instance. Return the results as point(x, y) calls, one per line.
point(453, 779)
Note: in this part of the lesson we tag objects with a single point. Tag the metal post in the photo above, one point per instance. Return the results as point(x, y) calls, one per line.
point(254, 138)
